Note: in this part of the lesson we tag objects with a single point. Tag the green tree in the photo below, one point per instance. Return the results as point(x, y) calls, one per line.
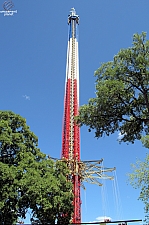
point(122, 94)
point(139, 178)
point(53, 195)
point(122, 104)
point(28, 179)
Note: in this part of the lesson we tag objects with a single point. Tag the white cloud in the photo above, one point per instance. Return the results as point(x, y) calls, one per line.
point(100, 219)
point(26, 97)
point(103, 218)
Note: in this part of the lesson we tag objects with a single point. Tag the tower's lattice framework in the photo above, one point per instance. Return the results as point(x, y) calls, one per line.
point(90, 171)
point(71, 132)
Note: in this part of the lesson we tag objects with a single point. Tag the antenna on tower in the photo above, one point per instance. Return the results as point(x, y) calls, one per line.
point(73, 11)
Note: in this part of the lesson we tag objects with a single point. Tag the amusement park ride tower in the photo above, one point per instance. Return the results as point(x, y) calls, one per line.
point(80, 171)
point(71, 132)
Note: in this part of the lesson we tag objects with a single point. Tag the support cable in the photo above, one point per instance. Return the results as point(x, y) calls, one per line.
point(104, 195)
point(117, 199)
point(85, 203)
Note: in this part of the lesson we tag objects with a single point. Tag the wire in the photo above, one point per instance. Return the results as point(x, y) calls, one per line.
point(104, 196)
point(85, 204)
point(117, 199)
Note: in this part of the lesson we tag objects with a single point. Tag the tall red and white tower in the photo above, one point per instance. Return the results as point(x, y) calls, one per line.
point(71, 132)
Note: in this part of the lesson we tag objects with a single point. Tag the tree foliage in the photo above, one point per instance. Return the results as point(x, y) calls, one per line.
point(28, 179)
point(122, 94)
point(139, 178)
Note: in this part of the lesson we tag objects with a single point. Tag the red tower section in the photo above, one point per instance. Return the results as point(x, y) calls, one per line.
point(71, 132)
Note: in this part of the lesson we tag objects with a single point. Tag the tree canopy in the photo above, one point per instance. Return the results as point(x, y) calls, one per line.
point(28, 179)
point(122, 104)
point(139, 178)
point(122, 94)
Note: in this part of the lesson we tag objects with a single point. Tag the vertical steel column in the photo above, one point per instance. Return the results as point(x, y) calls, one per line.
point(71, 132)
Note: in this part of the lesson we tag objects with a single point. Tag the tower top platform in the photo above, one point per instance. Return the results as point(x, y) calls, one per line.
point(73, 16)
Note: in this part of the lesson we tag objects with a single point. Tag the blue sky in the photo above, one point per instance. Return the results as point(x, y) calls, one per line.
point(33, 59)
